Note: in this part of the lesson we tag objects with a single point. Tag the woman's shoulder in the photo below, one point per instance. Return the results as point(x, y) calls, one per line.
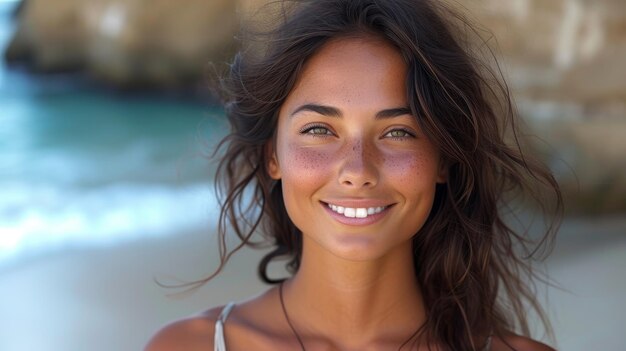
point(511, 341)
point(254, 318)
point(192, 333)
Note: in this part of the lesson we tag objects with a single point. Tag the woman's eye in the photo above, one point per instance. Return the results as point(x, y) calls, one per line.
point(316, 130)
point(398, 133)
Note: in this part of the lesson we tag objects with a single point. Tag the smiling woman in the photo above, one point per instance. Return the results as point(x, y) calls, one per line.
point(377, 165)
point(347, 143)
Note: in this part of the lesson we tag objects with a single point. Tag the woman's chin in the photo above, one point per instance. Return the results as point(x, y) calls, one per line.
point(356, 248)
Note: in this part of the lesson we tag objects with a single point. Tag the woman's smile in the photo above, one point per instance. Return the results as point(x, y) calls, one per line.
point(356, 216)
point(358, 212)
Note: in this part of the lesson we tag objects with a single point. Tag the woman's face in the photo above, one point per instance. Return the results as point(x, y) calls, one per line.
point(358, 174)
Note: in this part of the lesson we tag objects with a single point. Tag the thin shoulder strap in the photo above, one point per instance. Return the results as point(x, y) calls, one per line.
point(220, 343)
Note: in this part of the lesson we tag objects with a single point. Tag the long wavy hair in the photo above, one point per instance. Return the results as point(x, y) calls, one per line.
point(475, 269)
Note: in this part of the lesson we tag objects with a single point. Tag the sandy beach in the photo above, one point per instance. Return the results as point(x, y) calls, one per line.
point(106, 298)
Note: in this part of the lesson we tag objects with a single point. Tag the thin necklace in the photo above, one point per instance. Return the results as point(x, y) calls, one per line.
point(295, 333)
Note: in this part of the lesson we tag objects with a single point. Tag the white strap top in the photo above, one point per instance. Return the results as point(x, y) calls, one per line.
point(220, 343)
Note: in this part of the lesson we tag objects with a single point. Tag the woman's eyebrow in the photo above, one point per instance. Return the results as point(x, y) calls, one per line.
point(393, 112)
point(319, 109)
point(330, 111)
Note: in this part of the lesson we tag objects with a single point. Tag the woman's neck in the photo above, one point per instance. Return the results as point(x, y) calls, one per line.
point(355, 302)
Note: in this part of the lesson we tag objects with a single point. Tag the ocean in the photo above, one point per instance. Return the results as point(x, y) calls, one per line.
point(83, 166)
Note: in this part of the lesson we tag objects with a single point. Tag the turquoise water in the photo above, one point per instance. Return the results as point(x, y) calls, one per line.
point(83, 166)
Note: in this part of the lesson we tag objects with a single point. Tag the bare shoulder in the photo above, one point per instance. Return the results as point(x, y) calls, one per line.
point(514, 342)
point(189, 334)
point(247, 328)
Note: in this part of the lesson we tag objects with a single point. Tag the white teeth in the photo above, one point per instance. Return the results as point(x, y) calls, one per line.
point(349, 212)
point(356, 212)
point(337, 209)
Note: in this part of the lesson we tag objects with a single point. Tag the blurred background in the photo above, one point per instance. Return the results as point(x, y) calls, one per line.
point(106, 127)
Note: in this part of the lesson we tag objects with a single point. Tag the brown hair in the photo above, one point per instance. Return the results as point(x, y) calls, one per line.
point(474, 268)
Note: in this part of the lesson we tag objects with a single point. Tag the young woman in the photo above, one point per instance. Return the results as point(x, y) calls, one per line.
point(367, 145)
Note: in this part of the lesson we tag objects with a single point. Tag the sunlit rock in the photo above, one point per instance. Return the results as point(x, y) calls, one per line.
point(565, 62)
point(127, 42)
point(49, 36)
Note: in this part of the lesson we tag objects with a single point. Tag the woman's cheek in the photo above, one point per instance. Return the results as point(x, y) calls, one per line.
point(410, 170)
point(302, 163)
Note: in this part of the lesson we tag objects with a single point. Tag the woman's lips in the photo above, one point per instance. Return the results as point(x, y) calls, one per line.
point(356, 213)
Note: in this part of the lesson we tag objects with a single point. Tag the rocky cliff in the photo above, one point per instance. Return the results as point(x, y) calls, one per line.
point(566, 62)
point(125, 42)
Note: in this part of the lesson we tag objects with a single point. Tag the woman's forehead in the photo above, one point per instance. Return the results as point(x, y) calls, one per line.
point(350, 71)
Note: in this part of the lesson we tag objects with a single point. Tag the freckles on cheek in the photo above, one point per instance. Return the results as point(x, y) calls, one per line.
point(409, 170)
point(306, 162)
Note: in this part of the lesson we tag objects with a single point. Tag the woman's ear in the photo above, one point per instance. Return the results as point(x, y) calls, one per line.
point(273, 168)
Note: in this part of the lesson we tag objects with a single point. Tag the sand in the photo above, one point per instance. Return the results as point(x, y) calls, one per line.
point(105, 298)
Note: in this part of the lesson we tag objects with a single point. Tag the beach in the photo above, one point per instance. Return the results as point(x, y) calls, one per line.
point(106, 298)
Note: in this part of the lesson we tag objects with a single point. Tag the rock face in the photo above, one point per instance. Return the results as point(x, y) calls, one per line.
point(126, 42)
point(552, 46)
point(564, 60)
point(566, 63)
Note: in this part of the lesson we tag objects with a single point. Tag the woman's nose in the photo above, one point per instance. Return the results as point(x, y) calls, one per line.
point(359, 166)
